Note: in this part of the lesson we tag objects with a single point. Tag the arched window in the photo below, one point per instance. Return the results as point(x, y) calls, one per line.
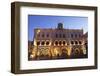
point(60, 43)
point(38, 43)
point(47, 35)
point(47, 43)
point(42, 43)
point(43, 35)
point(71, 35)
point(80, 42)
point(76, 42)
point(75, 35)
point(56, 35)
point(56, 42)
point(72, 42)
point(64, 42)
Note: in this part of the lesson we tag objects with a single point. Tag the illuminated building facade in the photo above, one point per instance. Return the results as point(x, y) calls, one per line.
point(58, 43)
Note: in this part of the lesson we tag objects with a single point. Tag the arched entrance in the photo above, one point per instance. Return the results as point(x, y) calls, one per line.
point(76, 53)
point(64, 53)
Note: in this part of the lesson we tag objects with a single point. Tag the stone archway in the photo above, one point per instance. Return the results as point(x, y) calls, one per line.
point(65, 50)
point(64, 53)
point(76, 52)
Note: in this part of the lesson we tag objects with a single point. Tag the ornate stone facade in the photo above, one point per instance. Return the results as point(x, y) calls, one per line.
point(58, 43)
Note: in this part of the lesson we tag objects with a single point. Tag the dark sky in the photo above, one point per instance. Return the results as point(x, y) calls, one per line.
point(47, 21)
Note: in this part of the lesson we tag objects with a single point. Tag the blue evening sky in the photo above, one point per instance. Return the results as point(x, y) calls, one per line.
point(47, 21)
